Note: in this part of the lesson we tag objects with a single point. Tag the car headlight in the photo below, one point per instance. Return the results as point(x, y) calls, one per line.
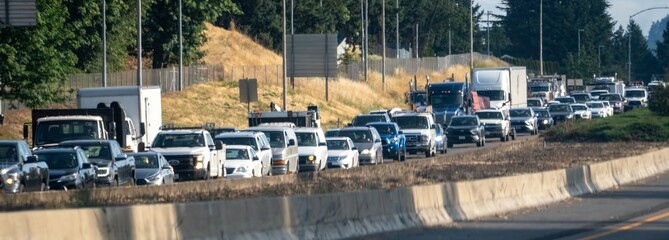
point(198, 161)
point(424, 138)
point(311, 158)
point(103, 171)
point(67, 178)
point(242, 169)
point(394, 140)
point(570, 116)
point(153, 178)
point(365, 151)
point(473, 131)
point(545, 121)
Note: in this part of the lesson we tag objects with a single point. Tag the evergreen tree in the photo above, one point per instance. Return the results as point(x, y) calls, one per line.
point(663, 50)
point(644, 63)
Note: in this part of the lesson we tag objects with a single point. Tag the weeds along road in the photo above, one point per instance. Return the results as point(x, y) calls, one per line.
point(464, 148)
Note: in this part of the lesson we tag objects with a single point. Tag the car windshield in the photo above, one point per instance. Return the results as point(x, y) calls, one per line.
point(581, 97)
point(338, 145)
point(359, 136)
point(170, 140)
point(61, 130)
point(236, 154)
point(566, 100)
point(419, 97)
point(489, 115)
point(8, 153)
point(533, 103)
point(146, 161)
point(276, 139)
point(493, 95)
point(595, 105)
point(539, 89)
point(635, 93)
point(246, 141)
point(446, 100)
point(306, 139)
point(364, 119)
point(610, 97)
point(332, 133)
point(384, 129)
point(542, 113)
point(520, 113)
point(463, 121)
point(579, 108)
point(93, 150)
point(597, 93)
point(411, 122)
point(559, 108)
point(58, 160)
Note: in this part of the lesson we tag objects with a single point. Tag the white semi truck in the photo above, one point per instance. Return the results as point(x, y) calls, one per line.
point(142, 106)
point(505, 87)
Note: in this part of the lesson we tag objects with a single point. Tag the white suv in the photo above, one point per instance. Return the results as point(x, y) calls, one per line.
point(312, 149)
point(256, 140)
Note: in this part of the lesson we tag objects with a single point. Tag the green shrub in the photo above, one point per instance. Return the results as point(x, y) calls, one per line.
point(659, 101)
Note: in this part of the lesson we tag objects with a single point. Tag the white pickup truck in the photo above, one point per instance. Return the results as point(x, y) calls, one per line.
point(419, 129)
point(192, 153)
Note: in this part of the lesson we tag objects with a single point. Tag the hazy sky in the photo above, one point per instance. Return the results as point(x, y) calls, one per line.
point(620, 11)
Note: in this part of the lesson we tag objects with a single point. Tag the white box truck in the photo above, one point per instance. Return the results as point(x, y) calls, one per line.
point(506, 87)
point(142, 106)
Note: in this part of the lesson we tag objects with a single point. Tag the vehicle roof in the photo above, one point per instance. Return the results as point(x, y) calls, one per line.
point(579, 104)
point(563, 97)
point(239, 134)
point(5, 142)
point(71, 117)
point(520, 108)
point(489, 110)
point(337, 138)
point(539, 109)
point(600, 90)
point(580, 93)
point(380, 111)
point(602, 102)
point(535, 98)
point(355, 128)
point(246, 147)
point(87, 141)
point(465, 116)
point(380, 123)
point(182, 131)
point(147, 153)
point(308, 129)
point(48, 150)
point(408, 114)
point(267, 128)
point(333, 129)
point(370, 114)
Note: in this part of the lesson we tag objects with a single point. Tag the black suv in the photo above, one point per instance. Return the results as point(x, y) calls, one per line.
point(114, 167)
point(465, 129)
point(68, 168)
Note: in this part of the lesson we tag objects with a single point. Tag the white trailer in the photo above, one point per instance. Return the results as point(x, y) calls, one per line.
point(142, 105)
point(506, 87)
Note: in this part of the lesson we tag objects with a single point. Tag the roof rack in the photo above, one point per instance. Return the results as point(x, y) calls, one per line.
point(171, 126)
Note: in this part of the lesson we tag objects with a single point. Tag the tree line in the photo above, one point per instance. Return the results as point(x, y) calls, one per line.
point(35, 61)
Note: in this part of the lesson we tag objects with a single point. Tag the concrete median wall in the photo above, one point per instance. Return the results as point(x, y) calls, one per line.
point(335, 215)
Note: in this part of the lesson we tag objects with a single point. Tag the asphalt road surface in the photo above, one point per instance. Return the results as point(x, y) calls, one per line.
point(635, 211)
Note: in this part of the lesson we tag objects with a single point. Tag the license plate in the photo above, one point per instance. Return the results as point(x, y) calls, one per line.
point(176, 176)
point(461, 137)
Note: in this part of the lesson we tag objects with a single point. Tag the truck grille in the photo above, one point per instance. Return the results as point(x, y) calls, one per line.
point(229, 170)
point(413, 138)
point(179, 162)
point(303, 159)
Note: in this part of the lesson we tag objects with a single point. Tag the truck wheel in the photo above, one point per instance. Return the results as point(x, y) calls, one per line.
point(428, 153)
point(450, 145)
point(513, 135)
point(206, 174)
point(502, 139)
point(404, 155)
point(42, 187)
point(479, 143)
point(22, 188)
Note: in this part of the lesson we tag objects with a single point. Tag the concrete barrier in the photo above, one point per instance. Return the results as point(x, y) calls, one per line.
point(335, 215)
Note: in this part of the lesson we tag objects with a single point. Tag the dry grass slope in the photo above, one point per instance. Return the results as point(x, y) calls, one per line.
point(218, 101)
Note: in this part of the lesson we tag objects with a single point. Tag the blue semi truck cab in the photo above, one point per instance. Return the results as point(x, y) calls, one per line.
point(448, 99)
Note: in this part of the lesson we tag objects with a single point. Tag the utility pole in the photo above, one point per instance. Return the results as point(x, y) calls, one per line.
point(397, 30)
point(181, 48)
point(487, 42)
point(599, 56)
point(366, 40)
point(292, 46)
point(362, 35)
point(541, 37)
point(104, 43)
point(471, 34)
point(579, 43)
point(285, 107)
point(449, 38)
point(139, 43)
point(383, 45)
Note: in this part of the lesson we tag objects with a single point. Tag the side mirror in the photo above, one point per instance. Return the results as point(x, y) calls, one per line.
point(122, 157)
point(433, 126)
point(141, 147)
point(322, 144)
point(142, 129)
point(86, 166)
point(377, 140)
point(255, 158)
point(167, 167)
point(265, 149)
point(291, 142)
point(32, 159)
point(219, 144)
point(400, 132)
point(354, 148)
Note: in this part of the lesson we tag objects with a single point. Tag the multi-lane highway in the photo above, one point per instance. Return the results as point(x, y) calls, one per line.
point(636, 211)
